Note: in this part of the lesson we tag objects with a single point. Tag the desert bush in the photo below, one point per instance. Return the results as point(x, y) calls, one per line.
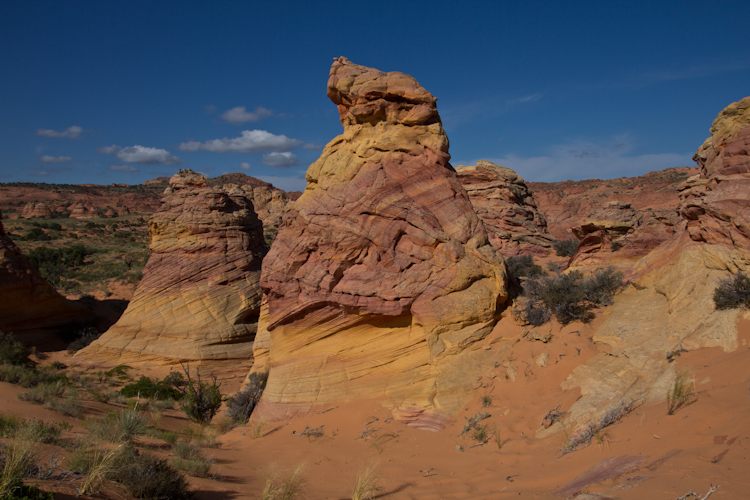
point(36, 431)
point(241, 405)
point(733, 292)
point(523, 267)
point(43, 393)
point(284, 485)
point(196, 467)
point(200, 400)
point(70, 406)
point(118, 426)
point(186, 451)
point(569, 296)
point(85, 337)
point(148, 477)
point(12, 351)
point(681, 392)
point(54, 263)
point(565, 248)
point(27, 376)
point(155, 389)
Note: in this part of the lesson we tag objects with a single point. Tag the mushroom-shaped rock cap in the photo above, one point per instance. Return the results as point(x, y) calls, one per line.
point(365, 94)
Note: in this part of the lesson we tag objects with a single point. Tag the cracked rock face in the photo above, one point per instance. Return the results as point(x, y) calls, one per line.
point(382, 270)
point(200, 297)
point(505, 204)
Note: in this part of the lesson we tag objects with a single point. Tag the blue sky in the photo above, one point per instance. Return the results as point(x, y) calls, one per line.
point(102, 92)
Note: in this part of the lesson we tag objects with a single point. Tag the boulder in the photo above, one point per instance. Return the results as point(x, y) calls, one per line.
point(199, 298)
point(31, 308)
point(381, 275)
point(505, 204)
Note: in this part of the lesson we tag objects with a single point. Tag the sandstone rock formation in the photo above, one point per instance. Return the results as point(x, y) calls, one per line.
point(79, 211)
point(670, 306)
point(36, 210)
point(270, 205)
point(382, 273)
point(617, 234)
point(199, 298)
point(502, 200)
point(716, 202)
point(566, 204)
point(31, 308)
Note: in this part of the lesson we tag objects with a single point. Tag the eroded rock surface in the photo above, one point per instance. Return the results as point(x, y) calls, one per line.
point(31, 308)
point(382, 273)
point(618, 235)
point(503, 201)
point(199, 298)
point(36, 210)
point(669, 307)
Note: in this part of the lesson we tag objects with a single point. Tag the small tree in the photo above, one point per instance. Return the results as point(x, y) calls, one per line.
point(242, 404)
point(200, 400)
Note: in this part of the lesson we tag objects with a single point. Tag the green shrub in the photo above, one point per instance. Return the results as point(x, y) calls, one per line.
point(569, 297)
point(187, 451)
point(36, 431)
point(565, 248)
point(523, 267)
point(733, 292)
point(681, 392)
point(241, 405)
point(12, 351)
point(148, 477)
point(155, 389)
point(200, 400)
point(43, 393)
point(85, 337)
point(196, 467)
point(119, 426)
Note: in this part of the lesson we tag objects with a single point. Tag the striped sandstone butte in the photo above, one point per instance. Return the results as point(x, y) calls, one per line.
point(382, 275)
point(199, 298)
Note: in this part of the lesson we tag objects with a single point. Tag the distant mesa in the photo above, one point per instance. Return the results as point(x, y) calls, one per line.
point(200, 297)
point(382, 275)
point(31, 308)
point(505, 204)
point(32, 209)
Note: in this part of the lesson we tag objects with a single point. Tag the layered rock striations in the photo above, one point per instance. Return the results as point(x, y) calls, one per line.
point(505, 204)
point(382, 274)
point(31, 308)
point(617, 234)
point(669, 308)
point(199, 298)
point(716, 202)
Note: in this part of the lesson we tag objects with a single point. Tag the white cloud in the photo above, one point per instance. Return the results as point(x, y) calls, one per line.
point(245, 165)
point(142, 155)
point(588, 160)
point(36, 171)
point(295, 183)
point(280, 160)
point(124, 168)
point(55, 159)
point(525, 99)
point(108, 150)
point(240, 115)
point(251, 141)
point(72, 132)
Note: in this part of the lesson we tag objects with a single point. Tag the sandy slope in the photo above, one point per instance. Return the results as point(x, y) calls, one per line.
point(664, 456)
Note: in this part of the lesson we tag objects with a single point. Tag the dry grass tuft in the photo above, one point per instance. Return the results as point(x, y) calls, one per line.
point(682, 392)
point(284, 486)
point(366, 483)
